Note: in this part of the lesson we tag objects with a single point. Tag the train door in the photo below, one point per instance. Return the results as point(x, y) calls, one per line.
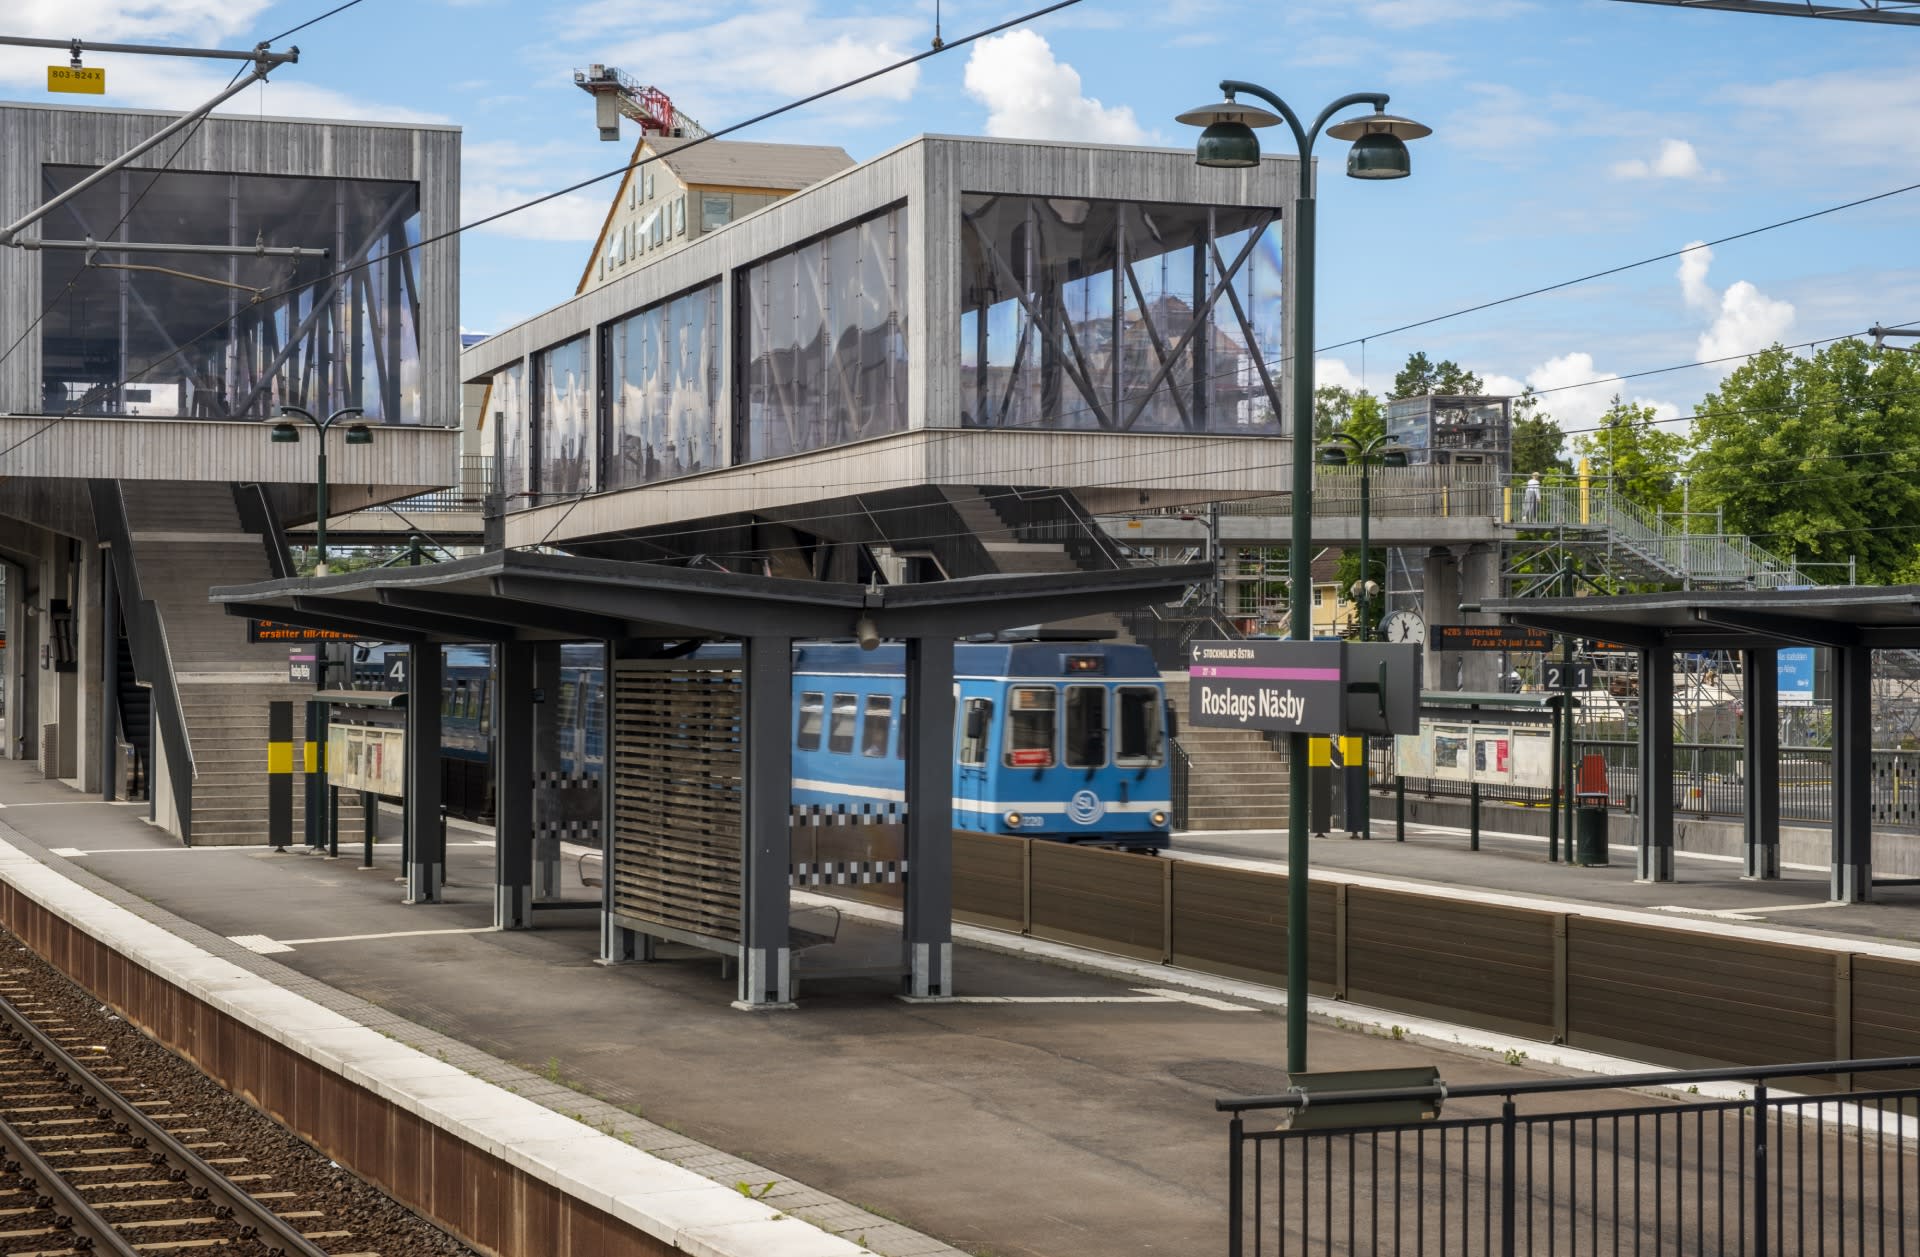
point(972, 798)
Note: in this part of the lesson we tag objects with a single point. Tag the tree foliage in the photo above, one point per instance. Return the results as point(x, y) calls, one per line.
point(1642, 460)
point(1818, 456)
point(1338, 409)
point(1421, 376)
point(1539, 446)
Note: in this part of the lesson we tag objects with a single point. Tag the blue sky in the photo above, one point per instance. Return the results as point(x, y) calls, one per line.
point(1571, 135)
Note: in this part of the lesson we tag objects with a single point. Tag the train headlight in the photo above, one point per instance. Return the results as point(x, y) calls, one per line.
point(1159, 819)
point(1012, 819)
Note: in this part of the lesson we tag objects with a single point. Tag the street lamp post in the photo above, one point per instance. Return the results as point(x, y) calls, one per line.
point(1379, 152)
point(357, 434)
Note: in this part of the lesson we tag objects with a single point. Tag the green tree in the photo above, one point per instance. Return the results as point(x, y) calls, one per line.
point(1641, 459)
point(1539, 446)
point(1421, 376)
point(1818, 456)
point(1338, 409)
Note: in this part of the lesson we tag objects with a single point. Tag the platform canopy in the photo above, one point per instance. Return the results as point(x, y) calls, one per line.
point(1885, 617)
point(523, 596)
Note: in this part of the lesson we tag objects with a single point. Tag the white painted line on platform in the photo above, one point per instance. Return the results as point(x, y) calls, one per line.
point(65, 852)
point(1722, 914)
point(73, 853)
point(1141, 995)
point(77, 803)
point(258, 942)
point(1188, 997)
point(367, 938)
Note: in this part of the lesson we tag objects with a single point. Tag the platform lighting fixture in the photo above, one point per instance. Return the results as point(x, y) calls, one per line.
point(357, 434)
point(1379, 151)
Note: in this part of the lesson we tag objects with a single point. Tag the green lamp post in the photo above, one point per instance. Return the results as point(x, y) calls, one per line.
point(357, 434)
point(1379, 152)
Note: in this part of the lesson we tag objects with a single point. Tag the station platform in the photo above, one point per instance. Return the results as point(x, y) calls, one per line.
point(1706, 886)
point(1050, 1110)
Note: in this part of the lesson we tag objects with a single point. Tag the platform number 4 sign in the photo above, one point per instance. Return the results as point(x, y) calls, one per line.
point(1569, 676)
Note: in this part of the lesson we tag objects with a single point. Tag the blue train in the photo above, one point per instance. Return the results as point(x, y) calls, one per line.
point(1066, 740)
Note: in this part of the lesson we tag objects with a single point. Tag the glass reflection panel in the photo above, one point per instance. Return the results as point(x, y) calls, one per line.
point(218, 337)
point(663, 390)
point(1119, 316)
point(826, 346)
point(568, 450)
point(514, 432)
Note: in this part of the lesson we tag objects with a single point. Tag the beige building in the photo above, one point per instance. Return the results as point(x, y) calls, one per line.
point(692, 188)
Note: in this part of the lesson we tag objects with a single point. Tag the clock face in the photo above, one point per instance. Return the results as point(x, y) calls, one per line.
point(1403, 626)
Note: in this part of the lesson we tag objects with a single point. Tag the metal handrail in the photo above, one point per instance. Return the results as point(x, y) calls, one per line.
point(1545, 1086)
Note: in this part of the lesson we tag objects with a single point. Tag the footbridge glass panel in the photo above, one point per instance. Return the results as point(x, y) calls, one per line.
point(205, 336)
point(1119, 316)
point(567, 448)
point(662, 368)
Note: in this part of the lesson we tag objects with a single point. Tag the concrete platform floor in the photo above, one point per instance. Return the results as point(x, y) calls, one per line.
point(1069, 1129)
point(1707, 886)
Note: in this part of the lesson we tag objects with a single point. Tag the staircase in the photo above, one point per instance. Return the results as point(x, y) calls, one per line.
point(1236, 780)
point(135, 705)
point(186, 539)
point(1616, 537)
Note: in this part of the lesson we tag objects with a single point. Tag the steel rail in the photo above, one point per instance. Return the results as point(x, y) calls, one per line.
point(267, 1225)
point(80, 1216)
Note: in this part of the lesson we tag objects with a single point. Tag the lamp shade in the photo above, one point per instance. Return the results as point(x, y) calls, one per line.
point(359, 434)
point(1393, 456)
point(1379, 156)
point(1333, 456)
point(1231, 145)
point(285, 432)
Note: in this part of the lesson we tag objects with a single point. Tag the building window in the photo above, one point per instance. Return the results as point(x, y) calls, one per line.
point(840, 732)
point(876, 726)
point(649, 192)
point(716, 210)
point(1080, 314)
point(513, 429)
point(680, 215)
point(205, 350)
point(662, 370)
point(566, 445)
point(825, 342)
point(812, 707)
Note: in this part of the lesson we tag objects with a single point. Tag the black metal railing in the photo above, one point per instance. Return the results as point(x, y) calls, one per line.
point(1182, 764)
point(1758, 1174)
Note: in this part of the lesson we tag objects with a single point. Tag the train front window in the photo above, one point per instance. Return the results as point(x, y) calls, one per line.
point(840, 732)
point(1086, 726)
point(977, 723)
point(877, 725)
point(812, 706)
point(1137, 723)
point(1030, 726)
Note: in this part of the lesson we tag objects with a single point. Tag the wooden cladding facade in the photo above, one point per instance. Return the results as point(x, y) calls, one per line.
point(1669, 996)
point(677, 794)
point(494, 1207)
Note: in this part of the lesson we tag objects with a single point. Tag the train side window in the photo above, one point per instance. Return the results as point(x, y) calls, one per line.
point(976, 725)
point(840, 729)
point(1030, 726)
point(807, 737)
point(1086, 726)
point(1140, 741)
point(877, 726)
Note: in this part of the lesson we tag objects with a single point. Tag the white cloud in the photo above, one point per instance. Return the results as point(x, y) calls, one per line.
point(1031, 95)
point(127, 21)
point(1675, 160)
point(1403, 13)
point(1745, 320)
point(497, 174)
point(1577, 392)
point(1333, 373)
point(763, 50)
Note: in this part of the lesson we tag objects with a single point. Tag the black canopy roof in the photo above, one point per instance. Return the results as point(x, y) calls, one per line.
point(1884, 617)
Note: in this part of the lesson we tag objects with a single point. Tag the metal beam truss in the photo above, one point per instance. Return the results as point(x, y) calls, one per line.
point(1884, 12)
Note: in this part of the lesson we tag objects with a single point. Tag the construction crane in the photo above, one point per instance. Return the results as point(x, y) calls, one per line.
point(615, 93)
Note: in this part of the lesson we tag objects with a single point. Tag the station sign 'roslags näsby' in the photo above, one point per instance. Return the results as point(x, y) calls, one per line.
point(1283, 686)
point(1488, 637)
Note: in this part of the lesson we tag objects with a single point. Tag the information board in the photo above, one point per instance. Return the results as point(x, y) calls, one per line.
point(271, 631)
point(1491, 755)
point(1487, 637)
point(1796, 675)
point(367, 757)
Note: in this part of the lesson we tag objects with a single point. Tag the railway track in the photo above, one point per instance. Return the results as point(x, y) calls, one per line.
point(97, 1163)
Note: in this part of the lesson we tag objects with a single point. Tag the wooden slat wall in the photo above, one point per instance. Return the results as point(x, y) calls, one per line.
point(1885, 1014)
point(1444, 958)
point(677, 793)
point(989, 880)
point(1679, 997)
point(1234, 922)
point(1106, 898)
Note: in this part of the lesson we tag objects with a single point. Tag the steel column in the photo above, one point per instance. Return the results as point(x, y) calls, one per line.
point(618, 944)
point(928, 925)
point(427, 838)
point(766, 979)
point(109, 676)
point(1654, 853)
point(1760, 695)
point(513, 787)
point(1852, 874)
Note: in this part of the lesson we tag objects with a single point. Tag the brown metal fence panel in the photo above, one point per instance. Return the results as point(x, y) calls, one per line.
point(989, 880)
point(1886, 1014)
point(1102, 899)
point(1677, 997)
point(825, 841)
point(1467, 962)
point(1233, 922)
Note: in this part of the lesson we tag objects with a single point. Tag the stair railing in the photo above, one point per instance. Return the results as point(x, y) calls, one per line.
point(152, 655)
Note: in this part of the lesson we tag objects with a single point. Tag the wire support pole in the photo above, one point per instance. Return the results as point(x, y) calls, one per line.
point(90, 245)
point(261, 67)
point(78, 46)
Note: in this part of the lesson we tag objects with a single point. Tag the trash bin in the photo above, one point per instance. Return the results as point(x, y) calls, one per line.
point(1590, 831)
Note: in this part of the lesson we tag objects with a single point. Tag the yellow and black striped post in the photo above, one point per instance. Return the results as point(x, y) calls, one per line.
point(313, 765)
point(279, 775)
